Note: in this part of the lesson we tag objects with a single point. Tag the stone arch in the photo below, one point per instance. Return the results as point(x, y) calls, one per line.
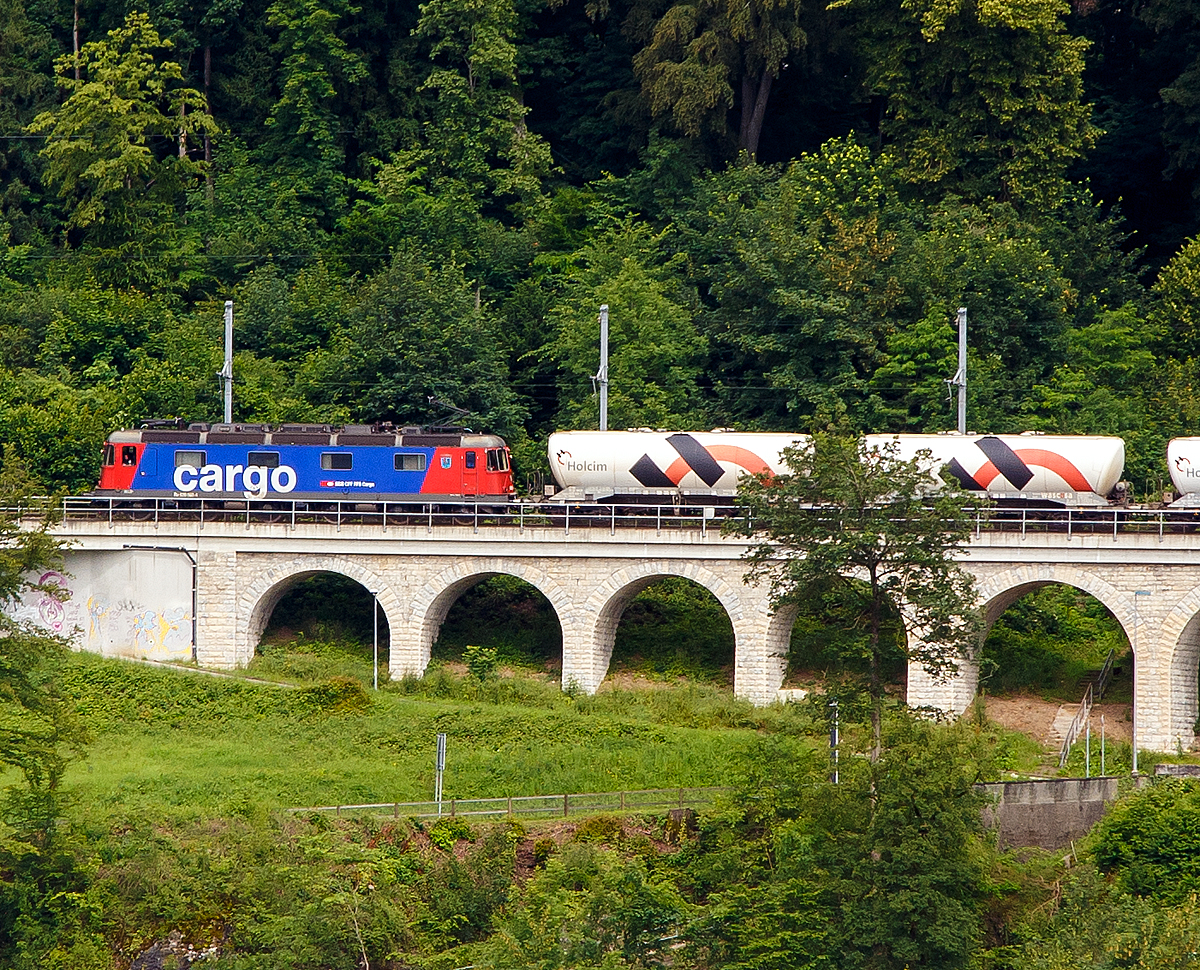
point(1000, 590)
point(1179, 639)
point(432, 602)
point(588, 663)
point(257, 601)
point(997, 591)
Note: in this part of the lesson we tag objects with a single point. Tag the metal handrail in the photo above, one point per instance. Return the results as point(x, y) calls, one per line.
point(1077, 723)
point(1106, 674)
point(481, 514)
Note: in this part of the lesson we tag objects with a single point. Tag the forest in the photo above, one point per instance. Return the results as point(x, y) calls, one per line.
point(783, 204)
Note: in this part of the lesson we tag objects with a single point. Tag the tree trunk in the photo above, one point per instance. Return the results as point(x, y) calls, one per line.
point(876, 682)
point(75, 39)
point(754, 109)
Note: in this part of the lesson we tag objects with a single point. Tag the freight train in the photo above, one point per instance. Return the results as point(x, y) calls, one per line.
point(383, 463)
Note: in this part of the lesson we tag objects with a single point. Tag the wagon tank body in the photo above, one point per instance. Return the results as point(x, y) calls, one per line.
point(705, 465)
point(1069, 470)
point(652, 465)
point(1183, 462)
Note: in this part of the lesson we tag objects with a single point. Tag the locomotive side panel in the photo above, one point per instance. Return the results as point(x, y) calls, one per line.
point(260, 468)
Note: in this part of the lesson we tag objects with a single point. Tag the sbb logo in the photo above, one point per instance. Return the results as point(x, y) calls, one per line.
point(256, 480)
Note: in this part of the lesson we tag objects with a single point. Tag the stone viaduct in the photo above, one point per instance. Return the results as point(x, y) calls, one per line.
point(137, 586)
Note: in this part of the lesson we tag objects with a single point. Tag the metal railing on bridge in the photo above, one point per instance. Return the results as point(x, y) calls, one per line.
point(609, 517)
point(388, 515)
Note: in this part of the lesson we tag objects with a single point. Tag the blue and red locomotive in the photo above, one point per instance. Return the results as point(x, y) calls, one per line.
point(306, 462)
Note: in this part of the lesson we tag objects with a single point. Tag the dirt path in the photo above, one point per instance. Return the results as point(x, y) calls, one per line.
point(1035, 717)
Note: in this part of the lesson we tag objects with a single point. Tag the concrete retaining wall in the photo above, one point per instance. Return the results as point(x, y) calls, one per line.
point(1047, 814)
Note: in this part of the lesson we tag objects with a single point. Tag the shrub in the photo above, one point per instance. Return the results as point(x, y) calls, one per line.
point(543, 849)
point(447, 831)
point(600, 828)
point(481, 661)
point(336, 695)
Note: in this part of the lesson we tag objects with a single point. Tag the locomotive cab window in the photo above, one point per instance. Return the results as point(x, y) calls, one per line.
point(469, 459)
point(497, 460)
point(263, 459)
point(197, 459)
point(410, 463)
point(128, 454)
point(110, 455)
point(337, 461)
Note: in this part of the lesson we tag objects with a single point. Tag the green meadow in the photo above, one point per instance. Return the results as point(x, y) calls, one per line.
point(177, 743)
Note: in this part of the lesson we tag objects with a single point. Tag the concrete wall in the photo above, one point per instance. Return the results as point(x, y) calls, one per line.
point(122, 603)
point(1048, 814)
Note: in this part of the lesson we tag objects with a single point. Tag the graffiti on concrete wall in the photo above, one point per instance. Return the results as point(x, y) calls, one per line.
point(42, 608)
point(127, 612)
point(132, 629)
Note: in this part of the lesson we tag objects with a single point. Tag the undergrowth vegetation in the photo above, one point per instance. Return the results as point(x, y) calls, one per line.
point(1049, 640)
point(177, 830)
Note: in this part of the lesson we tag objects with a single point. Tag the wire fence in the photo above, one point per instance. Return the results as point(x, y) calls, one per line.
point(536, 806)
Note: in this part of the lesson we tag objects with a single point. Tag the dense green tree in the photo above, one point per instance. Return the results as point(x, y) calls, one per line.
point(876, 530)
point(27, 51)
point(980, 99)
point(902, 847)
point(1146, 842)
point(794, 278)
point(316, 67)
point(415, 331)
point(118, 150)
point(703, 56)
point(477, 134)
point(1101, 389)
point(654, 349)
point(587, 908)
point(1175, 301)
point(39, 731)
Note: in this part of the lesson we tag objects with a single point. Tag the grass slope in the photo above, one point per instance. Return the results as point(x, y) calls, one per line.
point(175, 744)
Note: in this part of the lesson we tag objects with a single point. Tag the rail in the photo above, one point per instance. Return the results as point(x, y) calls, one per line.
point(1105, 676)
point(546, 806)
point(522, 515)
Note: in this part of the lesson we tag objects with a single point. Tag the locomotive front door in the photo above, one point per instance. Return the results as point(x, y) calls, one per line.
point(470, 478)
point(148, 466)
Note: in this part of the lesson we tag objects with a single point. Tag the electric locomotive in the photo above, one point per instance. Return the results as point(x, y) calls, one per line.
point(306, 462)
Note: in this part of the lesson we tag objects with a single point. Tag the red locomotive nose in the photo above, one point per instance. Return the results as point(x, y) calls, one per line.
point(120, 464)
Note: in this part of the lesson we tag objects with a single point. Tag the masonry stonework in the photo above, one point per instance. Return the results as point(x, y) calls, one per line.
point(1150, 583)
